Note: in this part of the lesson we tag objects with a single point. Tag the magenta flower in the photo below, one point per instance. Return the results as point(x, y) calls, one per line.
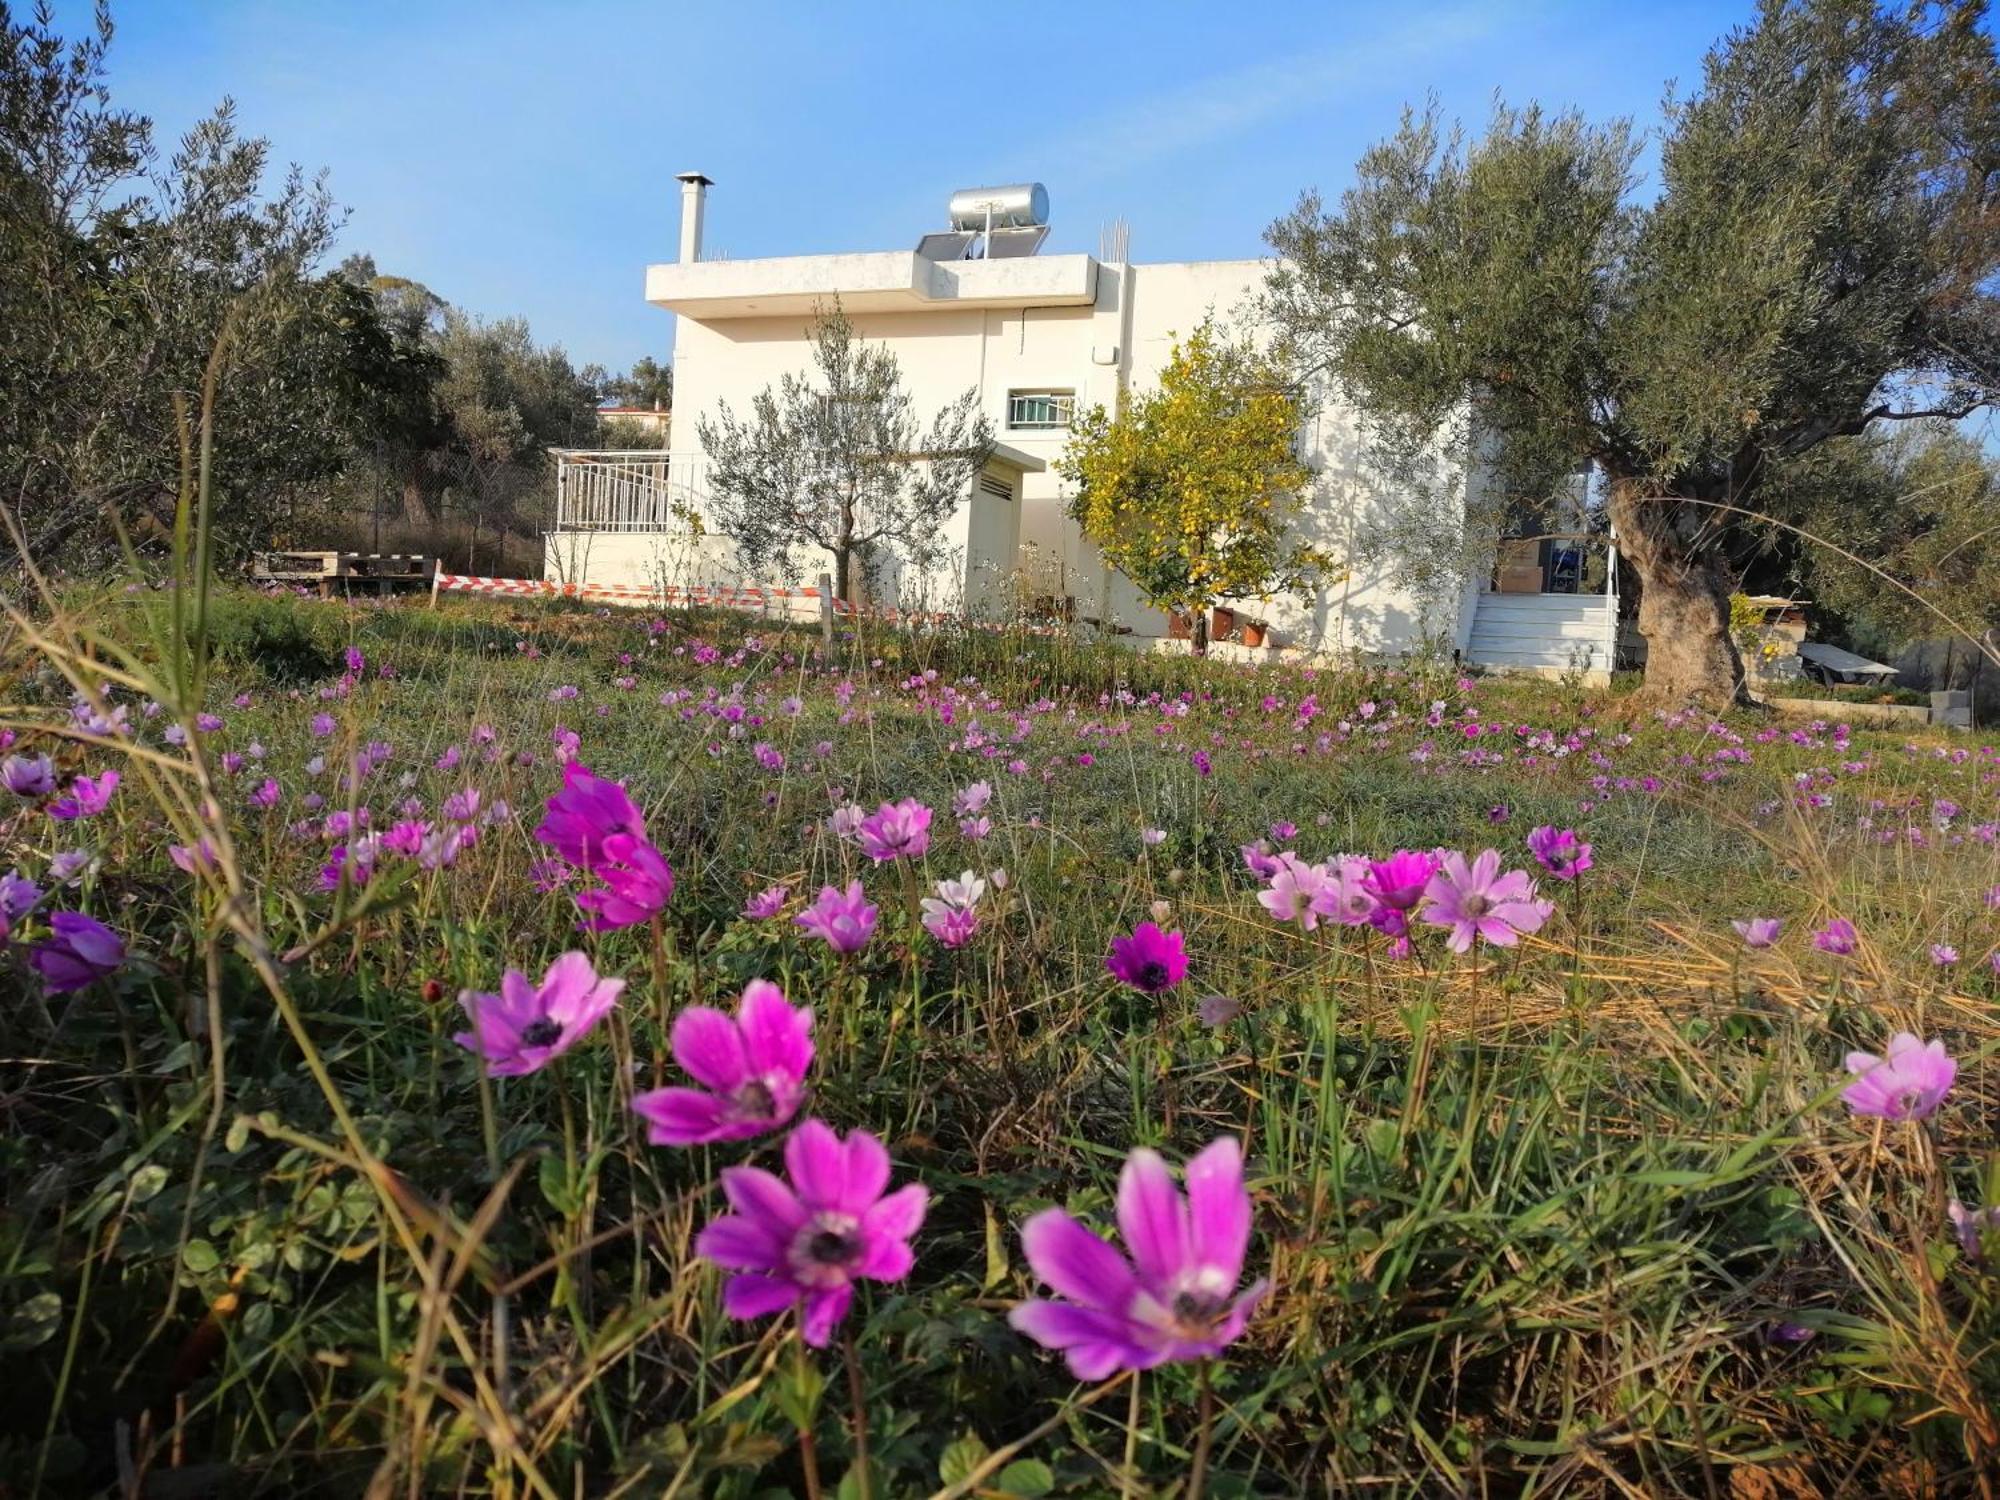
point(86, 798)
point(1943, 955)
point(752, 1069)
point(1758, 932)
point(1838, 937)
point(766, 903)
point(585, 814)
point(520, 1029)
point(896, 830)
point(1398, 882)
point(805, 1243)
point(637, 881)
point(845, 919)
point(1259, 860)
point(1559, 851)
point(77, 951)
point(952, 926)
point(1477, 901)
point(1176, 1299)
point(1149, 960)
point(1907, 1084)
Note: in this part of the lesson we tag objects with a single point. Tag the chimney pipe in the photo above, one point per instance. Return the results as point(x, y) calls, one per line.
point(694, 201)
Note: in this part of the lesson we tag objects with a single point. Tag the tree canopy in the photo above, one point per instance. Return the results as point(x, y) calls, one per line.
point(1821, 255)
point(838, 459)
point(1190, 490)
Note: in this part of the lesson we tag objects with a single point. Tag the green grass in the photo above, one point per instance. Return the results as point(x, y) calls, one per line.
point(1532, 1223)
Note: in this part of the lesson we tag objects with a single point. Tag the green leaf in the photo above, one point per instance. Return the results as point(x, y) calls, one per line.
point(1382, 1138)
point(553, 1176)
point(147, 1181)
point(200, 1257)
point(1026, 1476)
point(238, 1135)
point(960, 1457)
point(797, 1392)
point(32, 1324)
point(996, 1251)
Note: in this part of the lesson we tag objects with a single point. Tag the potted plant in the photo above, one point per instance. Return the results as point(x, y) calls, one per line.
point(1254, 632)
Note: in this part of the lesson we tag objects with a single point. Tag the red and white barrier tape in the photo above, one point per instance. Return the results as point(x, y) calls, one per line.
point(627, 594)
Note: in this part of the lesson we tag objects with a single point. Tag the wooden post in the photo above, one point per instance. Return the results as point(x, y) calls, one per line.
point(826, 609)
point(437, 576)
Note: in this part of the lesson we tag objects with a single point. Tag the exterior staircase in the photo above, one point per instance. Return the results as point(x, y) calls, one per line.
point(1545, 635)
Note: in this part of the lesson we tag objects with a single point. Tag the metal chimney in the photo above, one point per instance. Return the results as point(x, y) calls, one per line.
point(694, 203)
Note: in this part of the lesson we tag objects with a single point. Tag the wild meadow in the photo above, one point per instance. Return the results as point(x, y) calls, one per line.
point(535, 1051)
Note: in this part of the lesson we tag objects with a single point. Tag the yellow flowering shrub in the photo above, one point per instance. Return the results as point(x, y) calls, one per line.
point(1191, 489)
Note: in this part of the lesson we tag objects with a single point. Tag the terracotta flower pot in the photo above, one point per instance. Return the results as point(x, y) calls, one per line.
point(1253, 632)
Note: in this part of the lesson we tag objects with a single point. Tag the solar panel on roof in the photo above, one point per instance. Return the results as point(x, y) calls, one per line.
point(1010, 244)
point(948, 246)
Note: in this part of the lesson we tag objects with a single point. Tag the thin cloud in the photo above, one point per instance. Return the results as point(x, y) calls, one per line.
point(1226, 104)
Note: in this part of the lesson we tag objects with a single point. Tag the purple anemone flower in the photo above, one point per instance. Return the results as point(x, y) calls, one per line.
point(752, 1068)
point(587, 813)
point(1149, 960)
point(520, 1029)
point(1838, 937)
point(86, 798)
point(1476, 901)
point(897, 830)
point(78, 951)
point(1758, 932)
point(1176, 1299)
point(1398, 882)
point(844, 919)
point(1559, 851)
point(805, 1243)
point(32, 776)
point(637, 882)
point(1908, 1083)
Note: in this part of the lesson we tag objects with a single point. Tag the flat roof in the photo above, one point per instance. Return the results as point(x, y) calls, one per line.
point(873, 281)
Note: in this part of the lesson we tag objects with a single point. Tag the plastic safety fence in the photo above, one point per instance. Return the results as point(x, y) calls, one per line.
point(636, 596)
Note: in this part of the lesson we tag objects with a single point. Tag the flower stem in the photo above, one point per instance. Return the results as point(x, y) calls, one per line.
point(860, 1409)
point(1198, 1471)
point(660, 1003)
point(1131, 1475)
point(808, 1450)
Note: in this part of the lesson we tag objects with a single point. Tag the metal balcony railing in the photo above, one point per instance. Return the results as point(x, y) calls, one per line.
point(637, 489)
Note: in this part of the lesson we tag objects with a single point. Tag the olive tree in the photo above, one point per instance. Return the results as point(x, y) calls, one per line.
point(837, 459)
point(1820, 256)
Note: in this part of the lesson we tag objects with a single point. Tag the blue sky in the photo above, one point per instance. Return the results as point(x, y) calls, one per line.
point(519, 158)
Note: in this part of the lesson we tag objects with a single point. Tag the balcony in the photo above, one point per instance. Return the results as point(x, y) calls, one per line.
point(652, 489)
point(640, 489)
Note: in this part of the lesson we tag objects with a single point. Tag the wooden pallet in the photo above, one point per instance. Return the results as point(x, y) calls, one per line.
point(343, 572)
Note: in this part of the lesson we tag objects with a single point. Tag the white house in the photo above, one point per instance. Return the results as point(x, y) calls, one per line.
point(1039, 337)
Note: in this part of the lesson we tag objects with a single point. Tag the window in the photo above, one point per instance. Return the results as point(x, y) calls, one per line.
point(1040, 410)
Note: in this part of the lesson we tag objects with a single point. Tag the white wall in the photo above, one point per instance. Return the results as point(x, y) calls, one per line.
point(1122, 340)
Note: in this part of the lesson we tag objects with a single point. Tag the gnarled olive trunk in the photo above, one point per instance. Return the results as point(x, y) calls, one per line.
point(1683, 602)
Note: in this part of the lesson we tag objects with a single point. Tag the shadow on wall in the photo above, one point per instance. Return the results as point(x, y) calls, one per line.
point(1931, 665)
